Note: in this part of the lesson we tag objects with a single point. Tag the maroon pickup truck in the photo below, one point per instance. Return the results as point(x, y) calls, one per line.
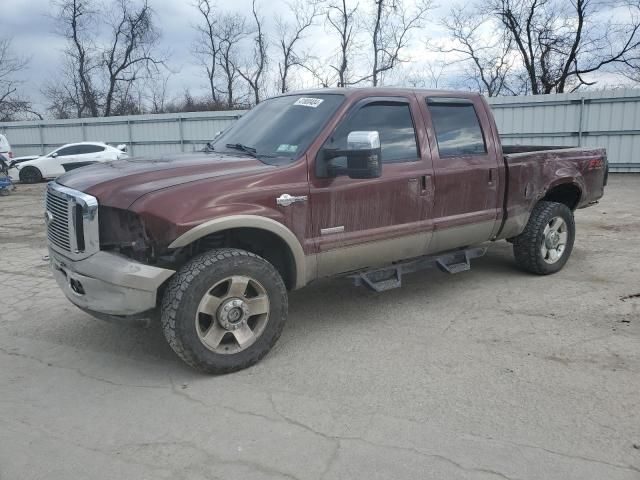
point(368, 184)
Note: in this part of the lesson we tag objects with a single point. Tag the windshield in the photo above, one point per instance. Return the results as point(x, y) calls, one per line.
point(279, 130)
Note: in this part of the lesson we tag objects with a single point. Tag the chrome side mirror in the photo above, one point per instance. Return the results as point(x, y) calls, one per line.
point(364, 155)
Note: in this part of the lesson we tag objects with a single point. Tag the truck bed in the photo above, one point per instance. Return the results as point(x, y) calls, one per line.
point(534, 171)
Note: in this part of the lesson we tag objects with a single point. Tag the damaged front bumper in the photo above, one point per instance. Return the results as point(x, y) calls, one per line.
point(109, 286)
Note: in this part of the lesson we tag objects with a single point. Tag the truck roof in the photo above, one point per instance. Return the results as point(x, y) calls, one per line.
point(382, 92)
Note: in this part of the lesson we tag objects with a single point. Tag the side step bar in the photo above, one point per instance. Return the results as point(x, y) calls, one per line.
point(387, 278)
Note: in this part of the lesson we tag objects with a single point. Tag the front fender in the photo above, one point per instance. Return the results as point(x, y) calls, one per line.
point(249, 221)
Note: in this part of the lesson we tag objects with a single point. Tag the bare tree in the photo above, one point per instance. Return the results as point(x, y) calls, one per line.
point(130, 55)
point(489, 57)
point(253, 72)
point(290, 34)
point(74, 17)
point(110, 55)
point(65, 93)
point(431, 75)
point(390, 33)
point(323, 76)
point(157, 88)
point(207, 48)
point(342, 20)
point(12, 104)
point(560, 42)
point(231, 31)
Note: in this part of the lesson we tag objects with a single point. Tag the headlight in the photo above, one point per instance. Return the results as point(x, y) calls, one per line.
point(124, 232)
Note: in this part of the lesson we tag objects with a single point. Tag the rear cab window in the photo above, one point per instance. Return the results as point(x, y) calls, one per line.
point(457, 127)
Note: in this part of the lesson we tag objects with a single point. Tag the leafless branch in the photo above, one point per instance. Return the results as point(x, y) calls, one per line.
point(12, 104)
point(290, 34)
point(390, 32)
point(253, 72)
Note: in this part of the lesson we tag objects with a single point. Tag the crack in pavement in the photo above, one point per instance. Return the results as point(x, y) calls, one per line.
point(335, 439)
point(79, 371)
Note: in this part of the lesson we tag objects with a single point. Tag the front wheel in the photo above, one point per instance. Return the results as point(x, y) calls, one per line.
point(30, 175)
point(224, 310)
point(546, 242)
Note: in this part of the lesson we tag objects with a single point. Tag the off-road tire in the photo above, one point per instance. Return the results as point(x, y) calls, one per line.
point(30, 175)
point(527, 245)
point(187, 287)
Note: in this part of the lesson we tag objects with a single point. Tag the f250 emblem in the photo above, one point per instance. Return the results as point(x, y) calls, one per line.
point(48, 217)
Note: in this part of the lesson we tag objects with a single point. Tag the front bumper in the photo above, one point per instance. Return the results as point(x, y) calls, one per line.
point(108, 284)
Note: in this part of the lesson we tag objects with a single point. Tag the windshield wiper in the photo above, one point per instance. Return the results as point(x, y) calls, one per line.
point(243, 148)
point(208, 148)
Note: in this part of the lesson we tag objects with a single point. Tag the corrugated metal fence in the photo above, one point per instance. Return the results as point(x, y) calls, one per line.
point(144, 134)
point(609, 119)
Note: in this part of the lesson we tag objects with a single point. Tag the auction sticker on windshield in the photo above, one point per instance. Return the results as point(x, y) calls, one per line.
point(286, 148)
point(309, 102)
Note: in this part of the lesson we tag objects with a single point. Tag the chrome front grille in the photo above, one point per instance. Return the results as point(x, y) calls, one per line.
point(58, 218)
point(72, 221)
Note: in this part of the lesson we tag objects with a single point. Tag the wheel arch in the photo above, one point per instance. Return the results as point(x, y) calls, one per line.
point(282, 246)
point(565, 191)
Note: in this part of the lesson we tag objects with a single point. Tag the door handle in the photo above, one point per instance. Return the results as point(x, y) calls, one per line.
point(493, 175)
point(425, 182)
point(421, 183)
point(285, 199)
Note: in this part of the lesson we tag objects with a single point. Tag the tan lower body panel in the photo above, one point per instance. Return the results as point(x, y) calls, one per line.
point(383, 252)
point(461, 236)
point(514, 225)
point(371, 254)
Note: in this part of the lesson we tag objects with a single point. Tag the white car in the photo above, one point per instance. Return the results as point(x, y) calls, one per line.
point(63, 159)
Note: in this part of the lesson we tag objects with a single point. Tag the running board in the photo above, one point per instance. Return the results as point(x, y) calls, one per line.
point(387, 278)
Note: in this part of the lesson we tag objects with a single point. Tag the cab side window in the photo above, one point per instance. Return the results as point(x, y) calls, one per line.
point(394, 124)
point(457, 128)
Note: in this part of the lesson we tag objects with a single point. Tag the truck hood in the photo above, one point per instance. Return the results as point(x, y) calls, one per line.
point(119, 183)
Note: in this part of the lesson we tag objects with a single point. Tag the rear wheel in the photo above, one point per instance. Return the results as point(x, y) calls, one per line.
point(547, 241)
point(224, 310)
point(30, 175)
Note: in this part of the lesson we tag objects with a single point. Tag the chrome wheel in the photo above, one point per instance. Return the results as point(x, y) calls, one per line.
point(554, 242)
point(232, 315)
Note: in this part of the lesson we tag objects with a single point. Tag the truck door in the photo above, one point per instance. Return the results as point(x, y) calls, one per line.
point(466, 176)
point(358, 223)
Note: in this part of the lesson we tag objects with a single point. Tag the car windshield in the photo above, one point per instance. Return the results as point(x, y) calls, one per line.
point(279, 130)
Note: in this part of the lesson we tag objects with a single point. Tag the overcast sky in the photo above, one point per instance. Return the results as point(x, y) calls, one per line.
point(32, 27)
point(30, 24)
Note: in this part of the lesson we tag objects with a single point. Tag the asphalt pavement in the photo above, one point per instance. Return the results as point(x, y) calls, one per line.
point(488, 374)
